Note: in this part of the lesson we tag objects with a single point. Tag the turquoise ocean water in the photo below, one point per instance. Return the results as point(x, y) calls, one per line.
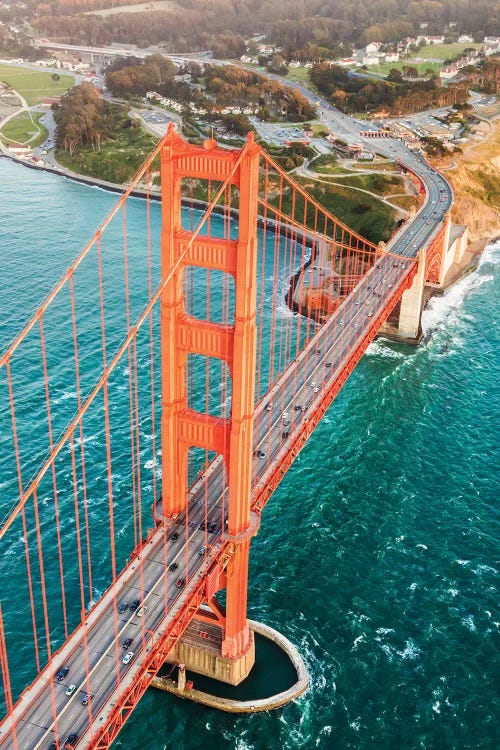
point(379, 553)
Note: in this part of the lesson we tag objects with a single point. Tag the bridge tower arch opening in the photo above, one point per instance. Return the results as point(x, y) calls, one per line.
point(182, 335)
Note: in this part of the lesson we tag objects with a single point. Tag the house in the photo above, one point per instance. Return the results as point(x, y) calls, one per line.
point(406, 42)
point(373, 47)
point(465, 39)
point(492, 49)
point(372, 60)
point(449, 71)
point(20, 150)
point(345, 62)
point(392, 57)
point(491, 40)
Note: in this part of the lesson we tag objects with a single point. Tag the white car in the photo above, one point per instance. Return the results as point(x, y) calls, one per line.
point(70, 689)
point(141, 611)
point(128, 656)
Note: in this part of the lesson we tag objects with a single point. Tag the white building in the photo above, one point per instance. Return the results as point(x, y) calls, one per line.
point(373, 47)
point(492, 40)
point(492, 49)
point(465, 39)
point(430, 39)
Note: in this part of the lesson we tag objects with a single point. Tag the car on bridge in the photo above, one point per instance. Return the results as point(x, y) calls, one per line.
point(85, 701)
point(126, 643)
point(62, 674)
point(70, 689)
point(128, 657)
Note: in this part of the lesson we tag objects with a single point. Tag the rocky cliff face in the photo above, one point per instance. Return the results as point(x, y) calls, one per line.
point(476, 182)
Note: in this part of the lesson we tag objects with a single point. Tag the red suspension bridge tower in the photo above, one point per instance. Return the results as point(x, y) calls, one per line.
point(182, 427)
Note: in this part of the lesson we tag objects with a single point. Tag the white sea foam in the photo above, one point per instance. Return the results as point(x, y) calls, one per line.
point(422, 546)
point(469, 623)
point(381, 349)
point(410, 651)
point(357, 641)
point(384, 631)
point(442, 307)
point(66, 396)
point(485, 569)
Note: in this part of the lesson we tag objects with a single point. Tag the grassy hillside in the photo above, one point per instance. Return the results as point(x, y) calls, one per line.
point(34, 85)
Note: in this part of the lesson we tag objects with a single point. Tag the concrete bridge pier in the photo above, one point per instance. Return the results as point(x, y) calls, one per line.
point(200, 649)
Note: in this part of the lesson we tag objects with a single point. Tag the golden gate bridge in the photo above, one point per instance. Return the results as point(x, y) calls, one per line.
point(180, 354)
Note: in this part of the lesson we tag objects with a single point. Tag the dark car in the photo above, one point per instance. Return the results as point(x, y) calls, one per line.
point(259, 454)
point(62, 674)
point(87, 698)
point(269, 406)
point(173, 566)
point(328, 364)
point(126, 643)
point(211, 528)
point(122, 608)
point(134, 605)
point(285, 434)
point(71, 741)
point(174, 537)
point(180, 582)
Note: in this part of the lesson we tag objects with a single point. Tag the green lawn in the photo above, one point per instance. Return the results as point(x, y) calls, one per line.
point(405, 201)
point(299, 74)
point(422, 67)
point(34, 85)
point(444, 51)
point(21, 130)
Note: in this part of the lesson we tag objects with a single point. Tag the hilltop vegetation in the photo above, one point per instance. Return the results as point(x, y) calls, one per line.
point(223, 85)
point(307, 29)
point(97, 138)
point(394, 95)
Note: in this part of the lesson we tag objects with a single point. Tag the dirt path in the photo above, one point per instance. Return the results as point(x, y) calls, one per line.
point(23, 108)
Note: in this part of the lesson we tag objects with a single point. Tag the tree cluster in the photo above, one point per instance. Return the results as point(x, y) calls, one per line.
point(356, 93)
point(128, 76)
point(81, 119)
point(230, 85)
